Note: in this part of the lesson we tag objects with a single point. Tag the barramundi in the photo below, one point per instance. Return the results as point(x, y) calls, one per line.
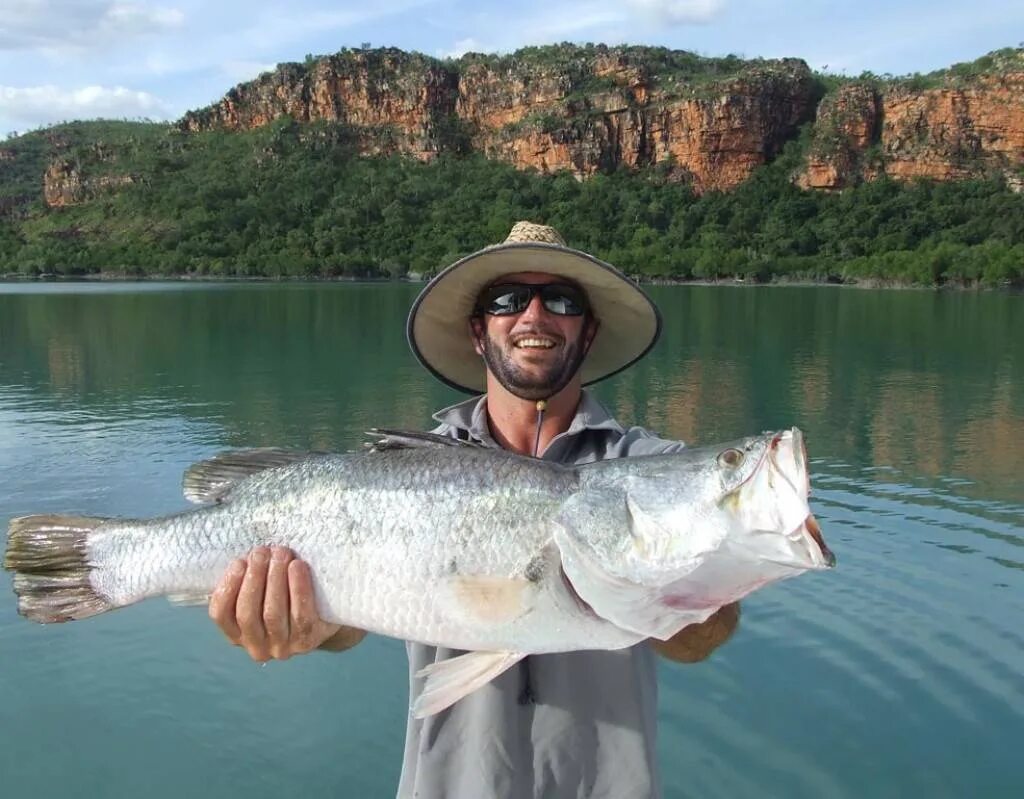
point(426, 538)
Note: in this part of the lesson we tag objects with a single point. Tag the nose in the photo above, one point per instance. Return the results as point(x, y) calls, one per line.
point(534, 309)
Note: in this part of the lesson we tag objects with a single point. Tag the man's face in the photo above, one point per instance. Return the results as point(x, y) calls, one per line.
point(533, 354)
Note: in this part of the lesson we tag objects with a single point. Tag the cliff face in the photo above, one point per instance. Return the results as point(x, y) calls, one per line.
point(393, 99)
point(587, 111)
point(715, 137)
point(63, 184)
point(847, 125)
point(70, 181)
point(954, 133)
point(946, 132)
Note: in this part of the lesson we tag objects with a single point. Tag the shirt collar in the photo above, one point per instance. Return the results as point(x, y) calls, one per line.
point(471, 416)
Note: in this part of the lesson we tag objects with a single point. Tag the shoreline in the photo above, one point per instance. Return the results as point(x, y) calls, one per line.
point(126, 277)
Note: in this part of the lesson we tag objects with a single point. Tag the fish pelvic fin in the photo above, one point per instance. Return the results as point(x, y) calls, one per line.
point(450, 680)
point(49, 557)
point(188, 599)
point(211, 480)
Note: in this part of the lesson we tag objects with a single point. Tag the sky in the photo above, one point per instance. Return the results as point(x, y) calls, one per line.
point(85, 59)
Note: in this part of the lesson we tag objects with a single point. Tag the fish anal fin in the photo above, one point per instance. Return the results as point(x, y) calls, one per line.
point(450, 680)
point(211, 480)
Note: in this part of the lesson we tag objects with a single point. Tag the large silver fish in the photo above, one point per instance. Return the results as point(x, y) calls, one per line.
point(429, 539)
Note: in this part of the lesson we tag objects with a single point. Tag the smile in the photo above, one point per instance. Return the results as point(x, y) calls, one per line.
point(534, 343)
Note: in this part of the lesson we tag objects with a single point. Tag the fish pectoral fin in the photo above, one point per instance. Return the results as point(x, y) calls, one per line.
point(211, 480)
point(488, 600)
point(384, 440)
point(632, 606)
point(189, 598)
point(450, 680)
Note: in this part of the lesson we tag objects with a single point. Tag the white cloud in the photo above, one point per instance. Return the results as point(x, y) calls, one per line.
point(608, 21)
point(461, 47)
point(62, 26)
point(241, 71)
point(678, 12)
point(42, 105)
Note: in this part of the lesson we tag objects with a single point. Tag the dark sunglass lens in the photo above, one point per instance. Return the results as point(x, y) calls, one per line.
point(509, 299)
point(504, 300)
point(563, 300)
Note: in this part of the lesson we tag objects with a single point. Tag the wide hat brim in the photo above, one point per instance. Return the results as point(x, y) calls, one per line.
point(438, 324)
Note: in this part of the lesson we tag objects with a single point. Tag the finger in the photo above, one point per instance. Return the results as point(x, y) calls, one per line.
point(249, 609)
point(276, 620)
point(304, 617)
point(225, 596)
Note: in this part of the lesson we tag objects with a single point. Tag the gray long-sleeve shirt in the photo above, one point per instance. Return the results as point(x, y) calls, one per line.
point(574, 724)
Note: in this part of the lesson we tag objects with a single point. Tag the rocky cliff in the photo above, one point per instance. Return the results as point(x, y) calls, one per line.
point(962, 127)
point(64, 184)
point(585, 109)
point(72, 180)
point(396, 101)
point(595, 108)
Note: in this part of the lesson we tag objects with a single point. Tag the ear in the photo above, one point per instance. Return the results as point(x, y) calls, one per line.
point(590, 332)
point(477, 331)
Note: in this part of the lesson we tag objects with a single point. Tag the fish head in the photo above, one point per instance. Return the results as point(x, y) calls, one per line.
point(753, 492)
point(769, 505)
point(695, 530)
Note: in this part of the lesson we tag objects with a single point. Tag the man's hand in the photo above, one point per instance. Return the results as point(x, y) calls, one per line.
point(265, 605)
point(694, 643)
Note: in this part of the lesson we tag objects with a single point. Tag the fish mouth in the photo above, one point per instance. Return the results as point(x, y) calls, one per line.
point(766, 457)
point(814, 531)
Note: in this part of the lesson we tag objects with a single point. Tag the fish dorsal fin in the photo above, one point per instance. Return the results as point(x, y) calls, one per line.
point(211, 480)
point(384, 440)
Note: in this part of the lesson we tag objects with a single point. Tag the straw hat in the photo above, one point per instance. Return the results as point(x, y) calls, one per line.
point(438, 328)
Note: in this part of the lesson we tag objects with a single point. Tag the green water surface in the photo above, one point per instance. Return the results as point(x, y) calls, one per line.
point(899, 674)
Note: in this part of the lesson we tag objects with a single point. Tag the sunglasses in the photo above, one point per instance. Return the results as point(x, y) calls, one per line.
point(508, 299)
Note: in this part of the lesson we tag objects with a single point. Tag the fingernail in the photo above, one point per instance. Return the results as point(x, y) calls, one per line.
point(237, 568)
point(258, 557)
point(280, 554)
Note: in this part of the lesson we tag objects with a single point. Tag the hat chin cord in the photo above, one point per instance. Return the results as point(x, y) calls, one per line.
point(542, 405)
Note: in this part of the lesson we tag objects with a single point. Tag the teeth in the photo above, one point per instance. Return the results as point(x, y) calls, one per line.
point(542, 343)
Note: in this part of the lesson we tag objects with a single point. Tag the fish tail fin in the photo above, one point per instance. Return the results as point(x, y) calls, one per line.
point(49, 557)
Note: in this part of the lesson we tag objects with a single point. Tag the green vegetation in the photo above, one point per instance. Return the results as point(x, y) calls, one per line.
point(678, 65)
point(296, 200)
point(998, 62)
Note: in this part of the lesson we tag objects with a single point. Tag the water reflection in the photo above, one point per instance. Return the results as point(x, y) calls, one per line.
point(925, 380)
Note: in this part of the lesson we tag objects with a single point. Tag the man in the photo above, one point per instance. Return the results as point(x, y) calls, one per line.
point(527, 323)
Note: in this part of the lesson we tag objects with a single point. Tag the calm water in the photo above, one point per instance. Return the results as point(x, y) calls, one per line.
point(899, 674)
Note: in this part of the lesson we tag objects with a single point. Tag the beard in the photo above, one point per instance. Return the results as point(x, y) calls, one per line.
point(529, 385)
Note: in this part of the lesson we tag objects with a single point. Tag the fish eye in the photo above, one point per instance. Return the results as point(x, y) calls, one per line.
point(730, 458)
